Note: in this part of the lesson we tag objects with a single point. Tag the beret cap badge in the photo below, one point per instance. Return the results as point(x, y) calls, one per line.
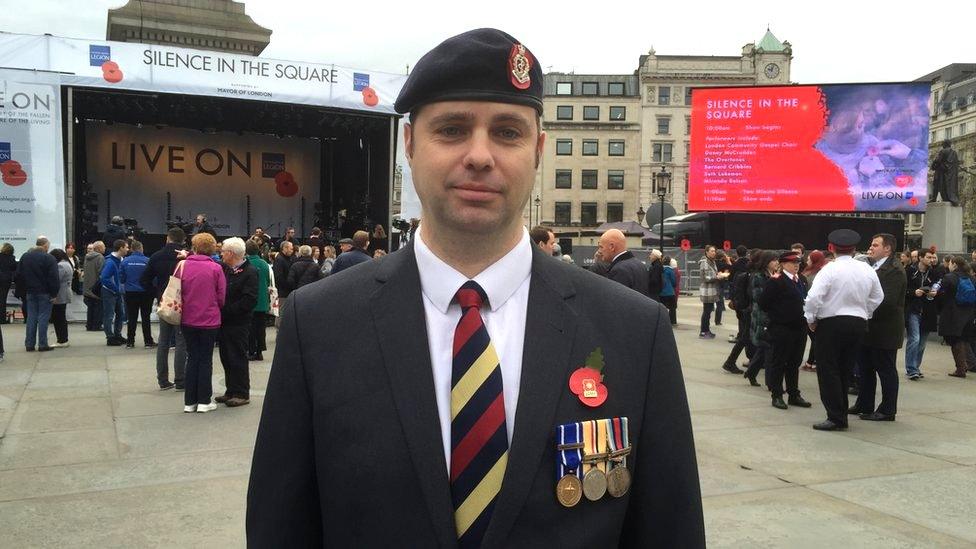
point(519, 65)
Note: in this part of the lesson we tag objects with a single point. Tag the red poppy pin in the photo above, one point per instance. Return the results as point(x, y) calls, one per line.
point(587, 381)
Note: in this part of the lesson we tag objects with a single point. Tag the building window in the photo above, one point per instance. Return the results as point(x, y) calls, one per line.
point(615, 212)
point(615, 179)
point(687, 125)
point(591, 88)
point(589, 179)
point(687, 151)
point(591, 113)
point(615, 148)
point(933, 137)
point(615, 88)
point(618, 113)
point(564, 112)
point(962, 129)
point(948, 132)
point(687, 95)
point(564, 88)
point(591, 147)
point(564, 179)
point(564, 147)
point(935, 99)
point(664, 95)
point(564, 211)
point(663, 126)
point(661, 152)
point(588, 214)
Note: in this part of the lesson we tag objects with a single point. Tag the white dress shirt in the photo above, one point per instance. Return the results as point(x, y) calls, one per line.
point(844, 287)
point(506, 282)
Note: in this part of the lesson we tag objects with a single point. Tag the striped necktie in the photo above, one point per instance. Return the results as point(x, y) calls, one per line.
point(479, 439)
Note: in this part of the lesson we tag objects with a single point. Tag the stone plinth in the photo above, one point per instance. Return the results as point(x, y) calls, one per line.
point(943, 227)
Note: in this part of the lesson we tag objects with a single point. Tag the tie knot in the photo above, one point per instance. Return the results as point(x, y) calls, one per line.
point(471, 294)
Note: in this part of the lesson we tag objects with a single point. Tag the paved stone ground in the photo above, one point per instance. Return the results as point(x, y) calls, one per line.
point(92, 455)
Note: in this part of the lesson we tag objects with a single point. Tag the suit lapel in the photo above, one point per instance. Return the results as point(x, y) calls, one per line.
point(550, 329)
point(398, 313)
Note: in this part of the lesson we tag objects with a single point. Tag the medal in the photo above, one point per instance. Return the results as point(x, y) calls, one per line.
point(618, 479)
point(569, 490)
point(594, 459)
point(569, 457)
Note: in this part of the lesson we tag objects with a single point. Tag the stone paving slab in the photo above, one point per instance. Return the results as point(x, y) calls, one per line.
point(59, 480)
point(44, 416)
point(181, 433)
point(924, 435)
point(198, 513)
point(67, 385)
point(939, 500)
point(804, 518)
point(804, 456)
point(61, 448)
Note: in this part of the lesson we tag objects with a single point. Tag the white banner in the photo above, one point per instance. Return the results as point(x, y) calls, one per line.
point(204, 173)
point(147, 67)
point(31, 166)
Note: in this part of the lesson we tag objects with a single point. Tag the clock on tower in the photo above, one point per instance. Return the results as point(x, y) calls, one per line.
point(772, 70)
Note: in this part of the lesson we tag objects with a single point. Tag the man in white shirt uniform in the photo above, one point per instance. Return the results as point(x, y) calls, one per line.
point(838, 308)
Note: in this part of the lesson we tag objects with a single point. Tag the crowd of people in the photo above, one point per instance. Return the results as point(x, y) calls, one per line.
point(875, 302)
point(231, 292)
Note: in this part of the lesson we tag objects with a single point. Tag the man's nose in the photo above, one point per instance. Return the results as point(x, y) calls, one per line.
point(479, 156)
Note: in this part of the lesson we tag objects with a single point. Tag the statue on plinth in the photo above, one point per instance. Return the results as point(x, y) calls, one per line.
point(946, 180)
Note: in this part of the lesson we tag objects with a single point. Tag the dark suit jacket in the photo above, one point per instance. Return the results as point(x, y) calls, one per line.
point(349, 450)
point(629, 271)
point(782, 300)
point(886, 328)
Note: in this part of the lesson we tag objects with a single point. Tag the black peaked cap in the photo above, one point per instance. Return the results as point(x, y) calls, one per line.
point(844, 238)
point(478, 65)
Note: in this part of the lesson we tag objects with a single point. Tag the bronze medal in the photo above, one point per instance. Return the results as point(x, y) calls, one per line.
point(594, 484)
point(618, 481)
point(569, 490)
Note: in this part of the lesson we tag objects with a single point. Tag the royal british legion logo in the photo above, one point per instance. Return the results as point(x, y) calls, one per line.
point(360, 81)
point(272, 163)
point(97, 55)
point(4, 152)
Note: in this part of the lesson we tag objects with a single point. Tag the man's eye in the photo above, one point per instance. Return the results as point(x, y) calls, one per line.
point(509, 133)
point(450, 131)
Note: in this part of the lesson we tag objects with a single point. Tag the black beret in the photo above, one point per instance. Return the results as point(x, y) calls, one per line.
point(844, 238)
point(479, 65)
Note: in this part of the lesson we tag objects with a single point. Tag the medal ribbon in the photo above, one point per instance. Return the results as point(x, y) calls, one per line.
point(570, 458)
point(619, 439)
point(594, 442)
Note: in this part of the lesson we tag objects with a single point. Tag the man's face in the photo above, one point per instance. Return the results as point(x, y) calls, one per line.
point(258, 232)
point(287, 249)
point(474, 163)
point(914, 256)
point(228, 257)
point(606, 248)
point(199, 220)
point(790, 266)
point(710, 253)
point(124, 251)
point(548, 245)
point(291, 232)
point(929, 260)
point(878, 250)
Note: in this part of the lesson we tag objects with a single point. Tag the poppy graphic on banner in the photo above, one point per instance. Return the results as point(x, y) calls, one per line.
point(111, 72)
point(727, 245)
point(685, 244)
point(285, 184)
point(12, 173)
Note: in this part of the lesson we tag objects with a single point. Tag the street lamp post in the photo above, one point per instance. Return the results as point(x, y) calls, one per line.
point(537, 202)
point(662, 178)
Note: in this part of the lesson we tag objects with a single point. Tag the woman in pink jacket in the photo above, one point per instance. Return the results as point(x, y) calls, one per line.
point(204, 288)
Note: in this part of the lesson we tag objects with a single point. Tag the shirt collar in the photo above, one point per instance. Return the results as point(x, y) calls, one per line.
point(877, 264)
point(439, 281)
point(618, 256)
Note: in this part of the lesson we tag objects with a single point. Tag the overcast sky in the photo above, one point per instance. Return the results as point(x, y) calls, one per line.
point(833, 41)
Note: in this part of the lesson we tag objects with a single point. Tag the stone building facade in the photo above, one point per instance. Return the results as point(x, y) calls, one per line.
point(609, 134)
point(953, 119)
point(216, 25)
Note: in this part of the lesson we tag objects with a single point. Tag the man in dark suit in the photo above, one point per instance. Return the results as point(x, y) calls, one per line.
point(624, 267)
point(886, 331)
point(368, 437)
point(782, 299)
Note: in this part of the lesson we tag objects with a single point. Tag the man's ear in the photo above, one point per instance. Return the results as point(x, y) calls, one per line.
point(408, 140)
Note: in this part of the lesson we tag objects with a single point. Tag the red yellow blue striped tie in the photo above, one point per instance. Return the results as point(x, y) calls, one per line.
point(479, 439)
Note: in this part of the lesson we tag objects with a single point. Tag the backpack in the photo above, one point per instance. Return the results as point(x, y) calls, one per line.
point(966, 292)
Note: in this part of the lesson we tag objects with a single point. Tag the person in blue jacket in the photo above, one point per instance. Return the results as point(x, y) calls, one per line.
point(138, 300)
point(113, 311)
point(669, 283)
